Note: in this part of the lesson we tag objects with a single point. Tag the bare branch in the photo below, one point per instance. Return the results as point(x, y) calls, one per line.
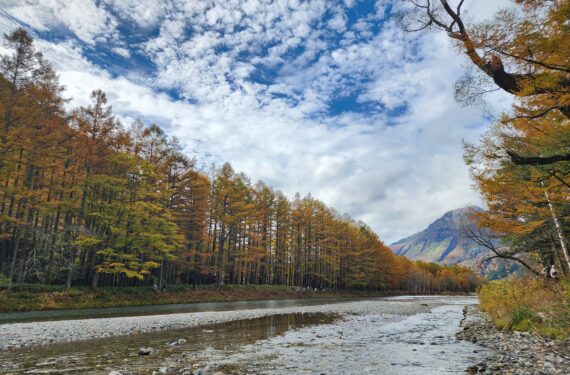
point(532, 116)
point(458, 10)
point(486, 239)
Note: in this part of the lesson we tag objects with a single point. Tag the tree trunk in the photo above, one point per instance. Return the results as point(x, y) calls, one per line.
point(14, 257)
point(222, 240)
point(557, 226)
point(95, 280)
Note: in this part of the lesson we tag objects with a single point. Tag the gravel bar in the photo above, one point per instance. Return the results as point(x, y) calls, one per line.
point(17, 335)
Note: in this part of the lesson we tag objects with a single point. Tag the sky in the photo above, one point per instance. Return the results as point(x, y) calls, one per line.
point(324, 97)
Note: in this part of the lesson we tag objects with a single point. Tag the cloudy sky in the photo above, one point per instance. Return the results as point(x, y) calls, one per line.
point(320, 96)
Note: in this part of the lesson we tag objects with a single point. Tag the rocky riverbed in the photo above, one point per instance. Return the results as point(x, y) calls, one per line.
point(519, 353)
point(17, 335)
point(399, 336)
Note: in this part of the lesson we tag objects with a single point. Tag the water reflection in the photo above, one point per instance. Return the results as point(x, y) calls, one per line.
point(121, 353)
point(166, 309)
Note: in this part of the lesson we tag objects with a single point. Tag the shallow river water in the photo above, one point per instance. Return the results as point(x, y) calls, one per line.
point(108, 312)
point(310, 343)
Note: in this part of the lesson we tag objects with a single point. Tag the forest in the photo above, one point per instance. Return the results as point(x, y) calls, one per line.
point(86, 201)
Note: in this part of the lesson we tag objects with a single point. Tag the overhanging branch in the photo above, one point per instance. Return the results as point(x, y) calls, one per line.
point(537, 160)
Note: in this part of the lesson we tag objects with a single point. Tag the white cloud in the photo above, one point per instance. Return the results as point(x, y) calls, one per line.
point(87, 20)
point(480, 10)
point(349, 3)
point(121, 52)
point(338, 22)
point(145, 13)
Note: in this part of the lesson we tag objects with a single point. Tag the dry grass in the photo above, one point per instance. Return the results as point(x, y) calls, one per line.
point(529, 304)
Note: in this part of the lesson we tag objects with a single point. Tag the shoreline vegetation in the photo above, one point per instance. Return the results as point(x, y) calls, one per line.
point(528, 304)
point(40, 298)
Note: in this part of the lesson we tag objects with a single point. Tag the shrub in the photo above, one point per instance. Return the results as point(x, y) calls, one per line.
point(3, 281)
point(528, 304)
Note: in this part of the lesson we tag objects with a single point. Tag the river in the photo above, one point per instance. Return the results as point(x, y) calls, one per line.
point(399, 335)
point(109, 312)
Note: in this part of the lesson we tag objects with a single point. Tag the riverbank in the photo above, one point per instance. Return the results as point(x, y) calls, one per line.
point(17, 335)
point(513, 352)
point(34, 299)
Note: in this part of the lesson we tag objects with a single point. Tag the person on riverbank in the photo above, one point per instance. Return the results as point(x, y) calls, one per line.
point(553, 272)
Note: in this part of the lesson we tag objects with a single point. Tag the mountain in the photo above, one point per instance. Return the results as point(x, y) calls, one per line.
point(443, 241)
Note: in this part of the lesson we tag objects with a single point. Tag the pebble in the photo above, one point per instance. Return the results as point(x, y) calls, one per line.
point(146, 351)
point(177, 342)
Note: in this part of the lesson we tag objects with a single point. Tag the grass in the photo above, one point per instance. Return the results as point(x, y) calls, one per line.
point(529, 305)
point(37, 297)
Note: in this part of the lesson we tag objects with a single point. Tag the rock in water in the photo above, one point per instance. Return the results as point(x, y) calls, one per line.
point(146, 351)
point(177, 342)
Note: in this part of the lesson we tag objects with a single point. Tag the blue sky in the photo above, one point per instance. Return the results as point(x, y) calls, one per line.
point(327, 97)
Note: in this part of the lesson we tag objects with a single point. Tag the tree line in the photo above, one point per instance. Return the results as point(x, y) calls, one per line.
point(85, 201)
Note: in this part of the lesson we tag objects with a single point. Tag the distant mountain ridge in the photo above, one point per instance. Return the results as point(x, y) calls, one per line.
point(442, 241)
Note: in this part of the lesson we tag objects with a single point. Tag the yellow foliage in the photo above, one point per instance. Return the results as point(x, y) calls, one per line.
point(528, 304)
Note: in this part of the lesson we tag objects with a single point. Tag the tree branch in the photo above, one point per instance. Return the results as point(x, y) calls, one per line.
point(532, 116)
point(560, 179)
point(485, 239)
point(513, 83)
point(536, 160)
